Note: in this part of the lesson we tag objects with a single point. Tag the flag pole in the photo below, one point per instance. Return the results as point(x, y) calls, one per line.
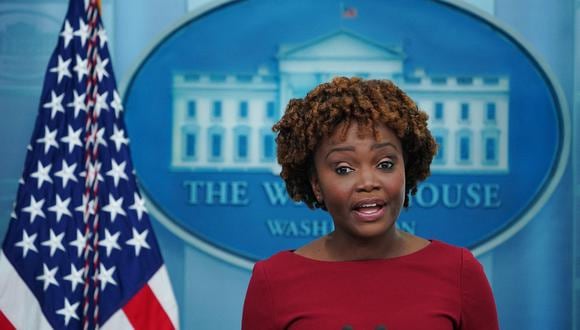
point(91, 183)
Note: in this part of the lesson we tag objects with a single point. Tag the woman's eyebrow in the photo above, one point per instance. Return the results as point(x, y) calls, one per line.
point(352, 148)
point(338, 149)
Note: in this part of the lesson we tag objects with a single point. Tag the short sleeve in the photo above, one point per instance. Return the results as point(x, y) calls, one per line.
point(258, 305)
point(478, 310)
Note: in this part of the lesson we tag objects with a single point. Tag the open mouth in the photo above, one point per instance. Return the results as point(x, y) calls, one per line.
point(369, 210)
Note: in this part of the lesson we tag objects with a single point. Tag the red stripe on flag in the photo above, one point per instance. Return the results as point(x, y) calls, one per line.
point(4, 323)
point(145, 312)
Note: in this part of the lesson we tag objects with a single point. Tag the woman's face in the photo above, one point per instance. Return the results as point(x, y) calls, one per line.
point(360, 180)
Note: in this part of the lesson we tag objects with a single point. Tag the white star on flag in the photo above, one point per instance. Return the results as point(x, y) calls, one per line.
point(49, 139)
point(48, 276)
point(110, 241)
point(138, 241)
point(54, 242)
point(138, 206)
point(101, 103)
point(67, 173)
point(93, 171)
point(101, 68)
point(68, 311)
point(13, 213)
point(114, 207)
point(35, 209)
point(78, 103)
point(100, 138)
point(102, 34)
point(55, 104)
point(27, 243)
point(73, 138)
point(67, 33)
point(42, 174)
point(105, 276)
point(117, 172)
point(75, 277)
point(62, 68)
point(117, 104)
point(60, 207)
point(82, 32)
point(118, 137)
point(88, 205)
point(81, 67)
point(80, 243)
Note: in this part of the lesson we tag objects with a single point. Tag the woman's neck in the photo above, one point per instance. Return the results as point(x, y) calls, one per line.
point(342, 247)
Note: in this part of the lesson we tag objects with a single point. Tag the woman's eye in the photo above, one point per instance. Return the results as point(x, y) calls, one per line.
point(386, 165)
point(342, 170)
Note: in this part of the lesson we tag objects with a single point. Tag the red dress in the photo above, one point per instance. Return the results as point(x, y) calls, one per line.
point(439, 287)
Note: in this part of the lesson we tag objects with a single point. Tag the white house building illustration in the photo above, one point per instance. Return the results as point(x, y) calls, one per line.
point(223, 121)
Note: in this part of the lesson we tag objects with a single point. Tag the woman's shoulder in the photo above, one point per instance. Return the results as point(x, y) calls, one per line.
point(291, 263)
point(452, 255)
point(285, 269)
point(463, 253)
point(279, 262)
point(441, 246)
point(278, 258)
point(442, 254)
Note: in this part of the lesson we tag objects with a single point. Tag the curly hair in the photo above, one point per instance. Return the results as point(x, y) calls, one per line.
point(350, 100)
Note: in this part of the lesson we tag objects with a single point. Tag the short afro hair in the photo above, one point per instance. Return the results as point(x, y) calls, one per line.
point(344, 101)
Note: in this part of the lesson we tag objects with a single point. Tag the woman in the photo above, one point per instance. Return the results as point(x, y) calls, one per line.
point(357, 149)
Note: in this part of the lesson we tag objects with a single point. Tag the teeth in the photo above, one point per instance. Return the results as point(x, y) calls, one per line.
point(369, 205)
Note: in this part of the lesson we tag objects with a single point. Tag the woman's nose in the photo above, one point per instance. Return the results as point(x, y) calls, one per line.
point(367, 180)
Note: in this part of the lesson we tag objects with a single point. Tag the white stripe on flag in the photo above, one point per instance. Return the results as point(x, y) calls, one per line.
point(118, 321)
point(17, 301)
point(160, 285)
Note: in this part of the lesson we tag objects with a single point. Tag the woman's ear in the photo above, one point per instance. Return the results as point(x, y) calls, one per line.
point(315, 185)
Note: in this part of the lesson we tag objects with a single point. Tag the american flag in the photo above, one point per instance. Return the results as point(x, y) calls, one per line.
point(348, 12)
point(80, 251)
